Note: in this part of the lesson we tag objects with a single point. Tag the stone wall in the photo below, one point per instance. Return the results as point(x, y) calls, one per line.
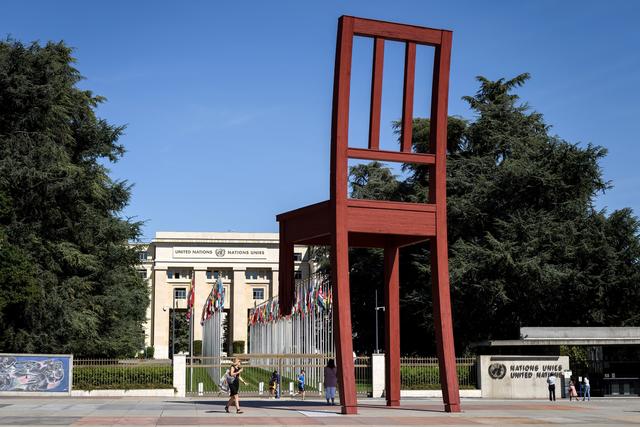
point(520, 377)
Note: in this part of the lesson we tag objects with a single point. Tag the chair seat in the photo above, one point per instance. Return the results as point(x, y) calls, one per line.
point(370, 223)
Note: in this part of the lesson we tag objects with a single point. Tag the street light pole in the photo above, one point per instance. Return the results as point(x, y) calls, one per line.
point(173, 325)
point(376, 309)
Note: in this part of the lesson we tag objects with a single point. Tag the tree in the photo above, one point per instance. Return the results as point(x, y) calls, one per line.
point(527, 246)
point(68, 282)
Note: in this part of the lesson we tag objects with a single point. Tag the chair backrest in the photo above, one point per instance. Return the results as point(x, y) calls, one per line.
point(348, 27)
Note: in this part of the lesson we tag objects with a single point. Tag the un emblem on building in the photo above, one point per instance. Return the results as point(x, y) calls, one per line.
point(220, 253)
point(497, 371)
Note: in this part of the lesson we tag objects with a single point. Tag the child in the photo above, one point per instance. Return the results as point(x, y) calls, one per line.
point(572, 391)
point(274, 385)
point(301, 379)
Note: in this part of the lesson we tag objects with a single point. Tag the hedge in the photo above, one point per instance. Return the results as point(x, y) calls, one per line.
point(124, 377)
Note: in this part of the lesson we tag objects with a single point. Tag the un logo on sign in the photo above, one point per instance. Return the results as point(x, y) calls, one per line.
point(220, 252)
point(497, 371)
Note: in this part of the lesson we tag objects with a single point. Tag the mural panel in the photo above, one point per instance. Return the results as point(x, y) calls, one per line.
point(35, 373)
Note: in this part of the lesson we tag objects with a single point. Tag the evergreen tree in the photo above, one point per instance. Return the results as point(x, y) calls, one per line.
point(527, 246)
point(67, 274)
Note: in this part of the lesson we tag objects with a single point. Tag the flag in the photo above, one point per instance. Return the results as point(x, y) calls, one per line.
point(320, 299)
point(191, 296)
point(220, 293)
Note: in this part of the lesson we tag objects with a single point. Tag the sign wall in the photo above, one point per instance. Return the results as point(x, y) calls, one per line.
point(520, 377)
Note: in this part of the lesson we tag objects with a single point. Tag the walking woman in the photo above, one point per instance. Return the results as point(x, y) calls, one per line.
point(330, 381)
point(234, 385)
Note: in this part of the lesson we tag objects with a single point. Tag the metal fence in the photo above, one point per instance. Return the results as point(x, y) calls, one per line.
point(127, 374)
point(306, 329)
point(423, 373)
point(257, 370)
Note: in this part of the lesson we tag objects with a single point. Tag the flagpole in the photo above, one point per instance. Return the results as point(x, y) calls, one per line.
point(192, 303)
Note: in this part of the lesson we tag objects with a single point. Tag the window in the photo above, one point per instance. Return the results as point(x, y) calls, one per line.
point(180, 293)
point(297, 274)
point(258, 293)
point(142, 274)
point(178, 273)
point(142, 255)
point(260, 274)
point(214, 274)
point(297, 256)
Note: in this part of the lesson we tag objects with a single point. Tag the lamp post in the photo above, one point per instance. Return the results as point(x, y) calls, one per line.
point(173, 324)
point(376, 308)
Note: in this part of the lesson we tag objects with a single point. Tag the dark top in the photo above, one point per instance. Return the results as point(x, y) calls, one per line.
point(330, 376)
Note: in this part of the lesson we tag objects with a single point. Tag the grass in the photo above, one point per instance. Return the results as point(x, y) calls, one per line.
point(200, 375)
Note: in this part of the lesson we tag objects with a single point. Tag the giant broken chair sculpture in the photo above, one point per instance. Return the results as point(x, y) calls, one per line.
point(342, 222)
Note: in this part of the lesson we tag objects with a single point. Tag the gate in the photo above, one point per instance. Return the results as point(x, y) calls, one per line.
point(204, 373)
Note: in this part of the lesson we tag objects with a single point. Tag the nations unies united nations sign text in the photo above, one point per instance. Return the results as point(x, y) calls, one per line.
point(219, 253)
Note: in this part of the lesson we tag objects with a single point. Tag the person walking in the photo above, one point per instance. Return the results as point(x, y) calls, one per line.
point(234, 386)
point(330, 381)
point(551, 380)
point(572, 391)
point(301, 380)
point(587, 389)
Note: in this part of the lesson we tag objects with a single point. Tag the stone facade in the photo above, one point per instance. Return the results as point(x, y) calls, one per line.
point(246, 262)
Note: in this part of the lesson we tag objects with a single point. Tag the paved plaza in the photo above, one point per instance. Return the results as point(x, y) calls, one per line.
point(208, 412)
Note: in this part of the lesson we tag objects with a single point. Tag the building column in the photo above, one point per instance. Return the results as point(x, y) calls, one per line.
point(273, 286)
point(238, 321)
point(202, 292)
point(162, 299)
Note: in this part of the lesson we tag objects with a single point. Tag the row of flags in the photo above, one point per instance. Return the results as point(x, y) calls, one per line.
point(316, 298)
point(214, 302)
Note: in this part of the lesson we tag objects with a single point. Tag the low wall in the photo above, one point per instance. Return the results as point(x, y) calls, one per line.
point(438, 393)
point(520, 377)
point(158, 392)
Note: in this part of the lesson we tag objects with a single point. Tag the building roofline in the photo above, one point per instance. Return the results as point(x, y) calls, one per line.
point(558, 341)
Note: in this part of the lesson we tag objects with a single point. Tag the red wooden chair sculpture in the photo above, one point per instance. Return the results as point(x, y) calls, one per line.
point(342, 222)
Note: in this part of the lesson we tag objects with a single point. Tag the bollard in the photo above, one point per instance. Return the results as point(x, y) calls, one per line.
point(320, 389)
point(291, 388)
point(200, 389)
point(260, 388)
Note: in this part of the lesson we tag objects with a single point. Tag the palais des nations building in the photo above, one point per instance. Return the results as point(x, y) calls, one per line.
point(246, 262)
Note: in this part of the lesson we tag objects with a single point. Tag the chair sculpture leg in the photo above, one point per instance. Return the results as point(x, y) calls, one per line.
point(392, 324)
point(443, 324)
point(342, 324)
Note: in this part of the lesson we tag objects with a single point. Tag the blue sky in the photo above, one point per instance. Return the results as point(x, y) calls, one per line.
point(228, 105)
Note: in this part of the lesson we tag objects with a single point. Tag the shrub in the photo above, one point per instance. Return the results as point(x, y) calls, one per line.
point(238, 347)
point(125, 377)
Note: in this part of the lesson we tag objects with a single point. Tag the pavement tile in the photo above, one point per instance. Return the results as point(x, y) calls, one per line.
point(37, 421)
point(261, 412)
